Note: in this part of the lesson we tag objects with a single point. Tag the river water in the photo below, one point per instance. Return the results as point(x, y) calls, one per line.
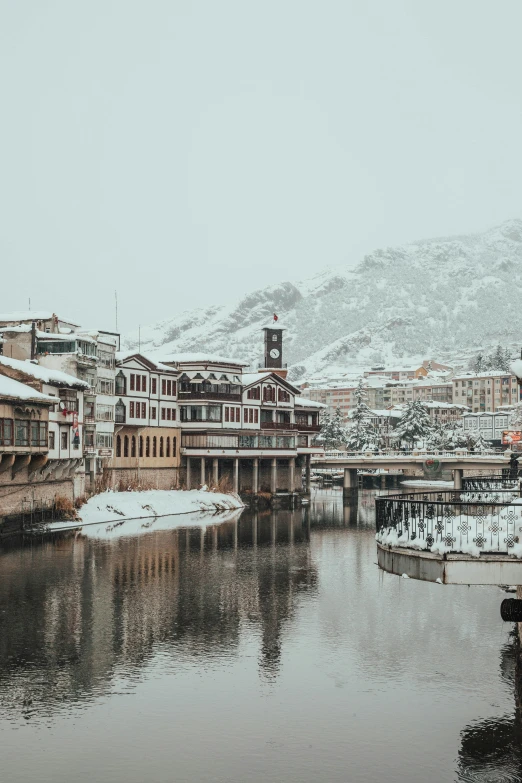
point(266, 649)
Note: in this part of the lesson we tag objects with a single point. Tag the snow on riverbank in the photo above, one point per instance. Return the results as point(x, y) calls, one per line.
point(423, 483)
point(113, 506)
point(137, 512)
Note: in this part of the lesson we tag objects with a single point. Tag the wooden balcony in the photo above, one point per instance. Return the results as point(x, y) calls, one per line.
point(278, 425)
point(210, 395)
point(308, 427)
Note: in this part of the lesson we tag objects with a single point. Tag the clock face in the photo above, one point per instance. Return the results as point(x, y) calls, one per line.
point(274, 353)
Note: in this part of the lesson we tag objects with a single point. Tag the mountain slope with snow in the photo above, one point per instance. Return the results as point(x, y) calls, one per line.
point(438, 297)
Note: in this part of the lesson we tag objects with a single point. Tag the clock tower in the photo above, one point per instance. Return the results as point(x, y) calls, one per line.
point(273, 352)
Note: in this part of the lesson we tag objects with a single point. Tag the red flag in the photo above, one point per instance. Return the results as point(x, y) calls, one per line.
point(275, 317)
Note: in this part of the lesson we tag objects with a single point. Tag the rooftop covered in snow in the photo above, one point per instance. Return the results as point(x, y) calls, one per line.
point(44, 374)
point(304, 402)
point(14, 390)
point(195, 358)
point(32, 315)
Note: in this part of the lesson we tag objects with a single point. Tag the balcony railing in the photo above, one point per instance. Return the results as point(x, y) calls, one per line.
point(278, 425)
point(89, 449)
point(208, 395)
point(88, 419)
point(456, 521)
point(245, 441)
point(308, 427)
point(120, 418)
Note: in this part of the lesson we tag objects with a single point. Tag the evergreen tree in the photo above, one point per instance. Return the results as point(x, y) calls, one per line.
point(479, 363)
point(479, 443)
point(436, 439)
point(361, 434)
point(415, 424)
point(497, 359)
point(455, 437)
point(333, 431)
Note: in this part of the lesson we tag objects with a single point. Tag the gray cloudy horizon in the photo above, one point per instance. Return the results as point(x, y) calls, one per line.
point(185, 153)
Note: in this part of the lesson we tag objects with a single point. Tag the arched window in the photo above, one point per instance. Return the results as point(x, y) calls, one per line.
point(161, 446)
point(147, 447)
point(167, 447)
point(126, 446)
point(118, 446)
point(154, 446)
point(133, 446)
point(174, 442)
point(141, 445)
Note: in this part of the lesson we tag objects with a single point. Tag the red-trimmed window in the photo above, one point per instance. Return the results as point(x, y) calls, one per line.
point(143, 410)
point(173, 388)
point(173, 414)
point(153, 385)
point(164, 387)
point(169, 414)
point(152, 411)
point(163, 414)
point(131, 409)
point(132, 382)
point(256, 416)
point(138, 382)
point(169, 388)
point(245, 415)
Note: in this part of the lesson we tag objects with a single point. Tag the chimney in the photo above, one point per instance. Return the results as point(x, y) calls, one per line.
point(33, 340)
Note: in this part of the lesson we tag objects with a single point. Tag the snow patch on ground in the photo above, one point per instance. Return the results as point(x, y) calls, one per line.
point(422, 483)
point(130, 513)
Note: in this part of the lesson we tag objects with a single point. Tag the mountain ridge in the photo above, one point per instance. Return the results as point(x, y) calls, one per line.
point(440, 297)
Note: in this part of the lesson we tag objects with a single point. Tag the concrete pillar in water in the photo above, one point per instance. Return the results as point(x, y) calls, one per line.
point(457, 478)
point(202, 471)
point(291, 474)
point(307, 474)
point(350, 482)
point(188, 473)
point(255, 476)
point(273, 476)
point(236, 475)
point(383, 480)
point(215, 471)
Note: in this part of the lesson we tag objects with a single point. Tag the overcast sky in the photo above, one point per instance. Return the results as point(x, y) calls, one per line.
point(185, 152)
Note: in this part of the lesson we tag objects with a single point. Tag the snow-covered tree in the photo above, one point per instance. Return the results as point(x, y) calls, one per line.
point(455, 437)
point(479, 363)
point(436, 438)
point(478, 443)
point(333, 431)
point(361, 434)
point(414, 424)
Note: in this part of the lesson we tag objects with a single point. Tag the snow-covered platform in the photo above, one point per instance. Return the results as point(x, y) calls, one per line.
point(454, 569)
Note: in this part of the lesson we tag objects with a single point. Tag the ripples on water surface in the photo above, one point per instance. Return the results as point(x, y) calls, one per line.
point(266, 649)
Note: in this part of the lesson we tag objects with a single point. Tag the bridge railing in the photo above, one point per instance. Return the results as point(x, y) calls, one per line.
point(491, 483)
point(411, 453)
point(455, 521)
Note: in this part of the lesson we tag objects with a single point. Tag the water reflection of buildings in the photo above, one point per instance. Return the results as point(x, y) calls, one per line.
point(491, 749)
point(331, 510)
point(73, 611)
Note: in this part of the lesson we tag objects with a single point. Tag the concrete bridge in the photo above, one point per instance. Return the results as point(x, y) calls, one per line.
point(458, 461)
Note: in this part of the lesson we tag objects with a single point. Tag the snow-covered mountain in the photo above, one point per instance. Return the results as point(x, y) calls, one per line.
point(436, 298)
